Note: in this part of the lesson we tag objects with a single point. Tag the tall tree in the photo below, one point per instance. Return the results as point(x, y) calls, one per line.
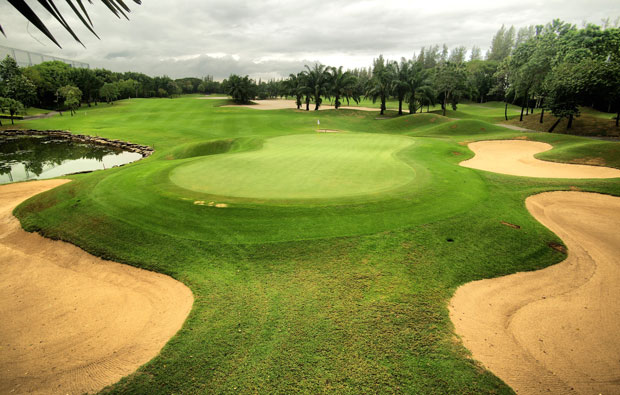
point(451, 84)
point(342, 86)
point(318, 81)
point(502, 44)
point(400, 87)
point(380, 85)
point(419, 89)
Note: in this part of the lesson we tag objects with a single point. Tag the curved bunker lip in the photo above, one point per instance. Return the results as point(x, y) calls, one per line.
point(555, 329)
point(516, 157)
point(72, 322)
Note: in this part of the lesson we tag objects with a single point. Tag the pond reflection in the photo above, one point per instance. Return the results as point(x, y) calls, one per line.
point(38, 157)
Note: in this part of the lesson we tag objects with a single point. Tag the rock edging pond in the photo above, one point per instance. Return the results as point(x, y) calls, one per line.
point(143, 150)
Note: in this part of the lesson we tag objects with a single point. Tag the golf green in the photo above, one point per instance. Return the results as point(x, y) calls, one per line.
point(303, 167)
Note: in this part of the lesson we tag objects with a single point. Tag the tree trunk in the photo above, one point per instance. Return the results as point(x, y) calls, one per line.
point(382, 105)
point(444, 105)
point(521, 119)
point(542, 114)
point(400, 106)
point(506, 111)
point(12, 123)
point(555, 124)
point(307, 103)
point(337, 102)
point(617, 118)
point(570, 122)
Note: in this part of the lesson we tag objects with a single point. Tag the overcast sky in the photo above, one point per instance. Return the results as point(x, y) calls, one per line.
point(272, 38)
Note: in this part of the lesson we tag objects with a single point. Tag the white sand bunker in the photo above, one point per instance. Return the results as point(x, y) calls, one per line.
point(291, 104)
point(71, 322)
point(554, 330)
point(516, 157)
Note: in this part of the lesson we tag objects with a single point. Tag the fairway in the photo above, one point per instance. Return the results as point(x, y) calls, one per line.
point(332, 255)
point(303, 167)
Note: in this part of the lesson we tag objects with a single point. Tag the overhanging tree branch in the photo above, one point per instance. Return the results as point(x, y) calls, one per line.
point(117, 7)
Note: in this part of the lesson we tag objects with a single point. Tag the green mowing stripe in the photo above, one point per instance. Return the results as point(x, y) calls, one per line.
point(303, 167)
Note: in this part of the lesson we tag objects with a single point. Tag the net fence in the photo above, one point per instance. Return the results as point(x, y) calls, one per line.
point(27, 58)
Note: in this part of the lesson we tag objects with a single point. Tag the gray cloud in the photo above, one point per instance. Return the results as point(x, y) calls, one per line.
point(276, 37)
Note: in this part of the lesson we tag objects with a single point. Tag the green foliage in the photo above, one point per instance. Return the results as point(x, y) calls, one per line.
point(110, 92)
point(11, 106)
point(502, 44)
point(242, 89)
point(72, 96)
point(380, 85)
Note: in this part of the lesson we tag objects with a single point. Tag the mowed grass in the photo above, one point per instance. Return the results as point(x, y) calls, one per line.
point(335, 294)
point(318, 166)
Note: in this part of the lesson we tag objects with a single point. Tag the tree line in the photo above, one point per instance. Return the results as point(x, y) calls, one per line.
point(555, 67)
point(58, 86)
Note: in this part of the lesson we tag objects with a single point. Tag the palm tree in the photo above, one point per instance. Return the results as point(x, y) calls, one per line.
point(117, 7)
point(242, 89)
point(400, 85)
point(293, 87)
point(419, 89)
point(380, 84)
point(318, 81)
point(342, 86)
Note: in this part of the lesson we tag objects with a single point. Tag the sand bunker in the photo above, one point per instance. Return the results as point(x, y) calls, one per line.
point(288, 104)
point(516, 157)
point(553, 330)
point(72, 323)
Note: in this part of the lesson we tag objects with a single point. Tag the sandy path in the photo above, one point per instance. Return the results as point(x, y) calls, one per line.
point(288, 104)
point(213, 98)
point(553, 330)
point(516, 157)
point(73, 323)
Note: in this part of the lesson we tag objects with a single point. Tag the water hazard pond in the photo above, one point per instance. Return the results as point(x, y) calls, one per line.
point(37, 157)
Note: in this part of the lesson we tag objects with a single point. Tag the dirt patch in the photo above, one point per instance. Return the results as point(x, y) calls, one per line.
point(557, 246)
point(591, 161)
point(553, 330)
point(456, 153)
point(510, 225)
point(516, 157)
point(329, 131)
point(71, 322)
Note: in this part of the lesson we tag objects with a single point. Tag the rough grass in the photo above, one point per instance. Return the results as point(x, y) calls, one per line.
point(336, 296)
point(589, 123)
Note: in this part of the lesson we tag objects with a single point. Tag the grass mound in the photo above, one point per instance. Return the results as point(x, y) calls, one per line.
point(588, 124)
point(463, 127)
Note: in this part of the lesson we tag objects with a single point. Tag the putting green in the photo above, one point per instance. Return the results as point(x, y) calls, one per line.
point(303, 167)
